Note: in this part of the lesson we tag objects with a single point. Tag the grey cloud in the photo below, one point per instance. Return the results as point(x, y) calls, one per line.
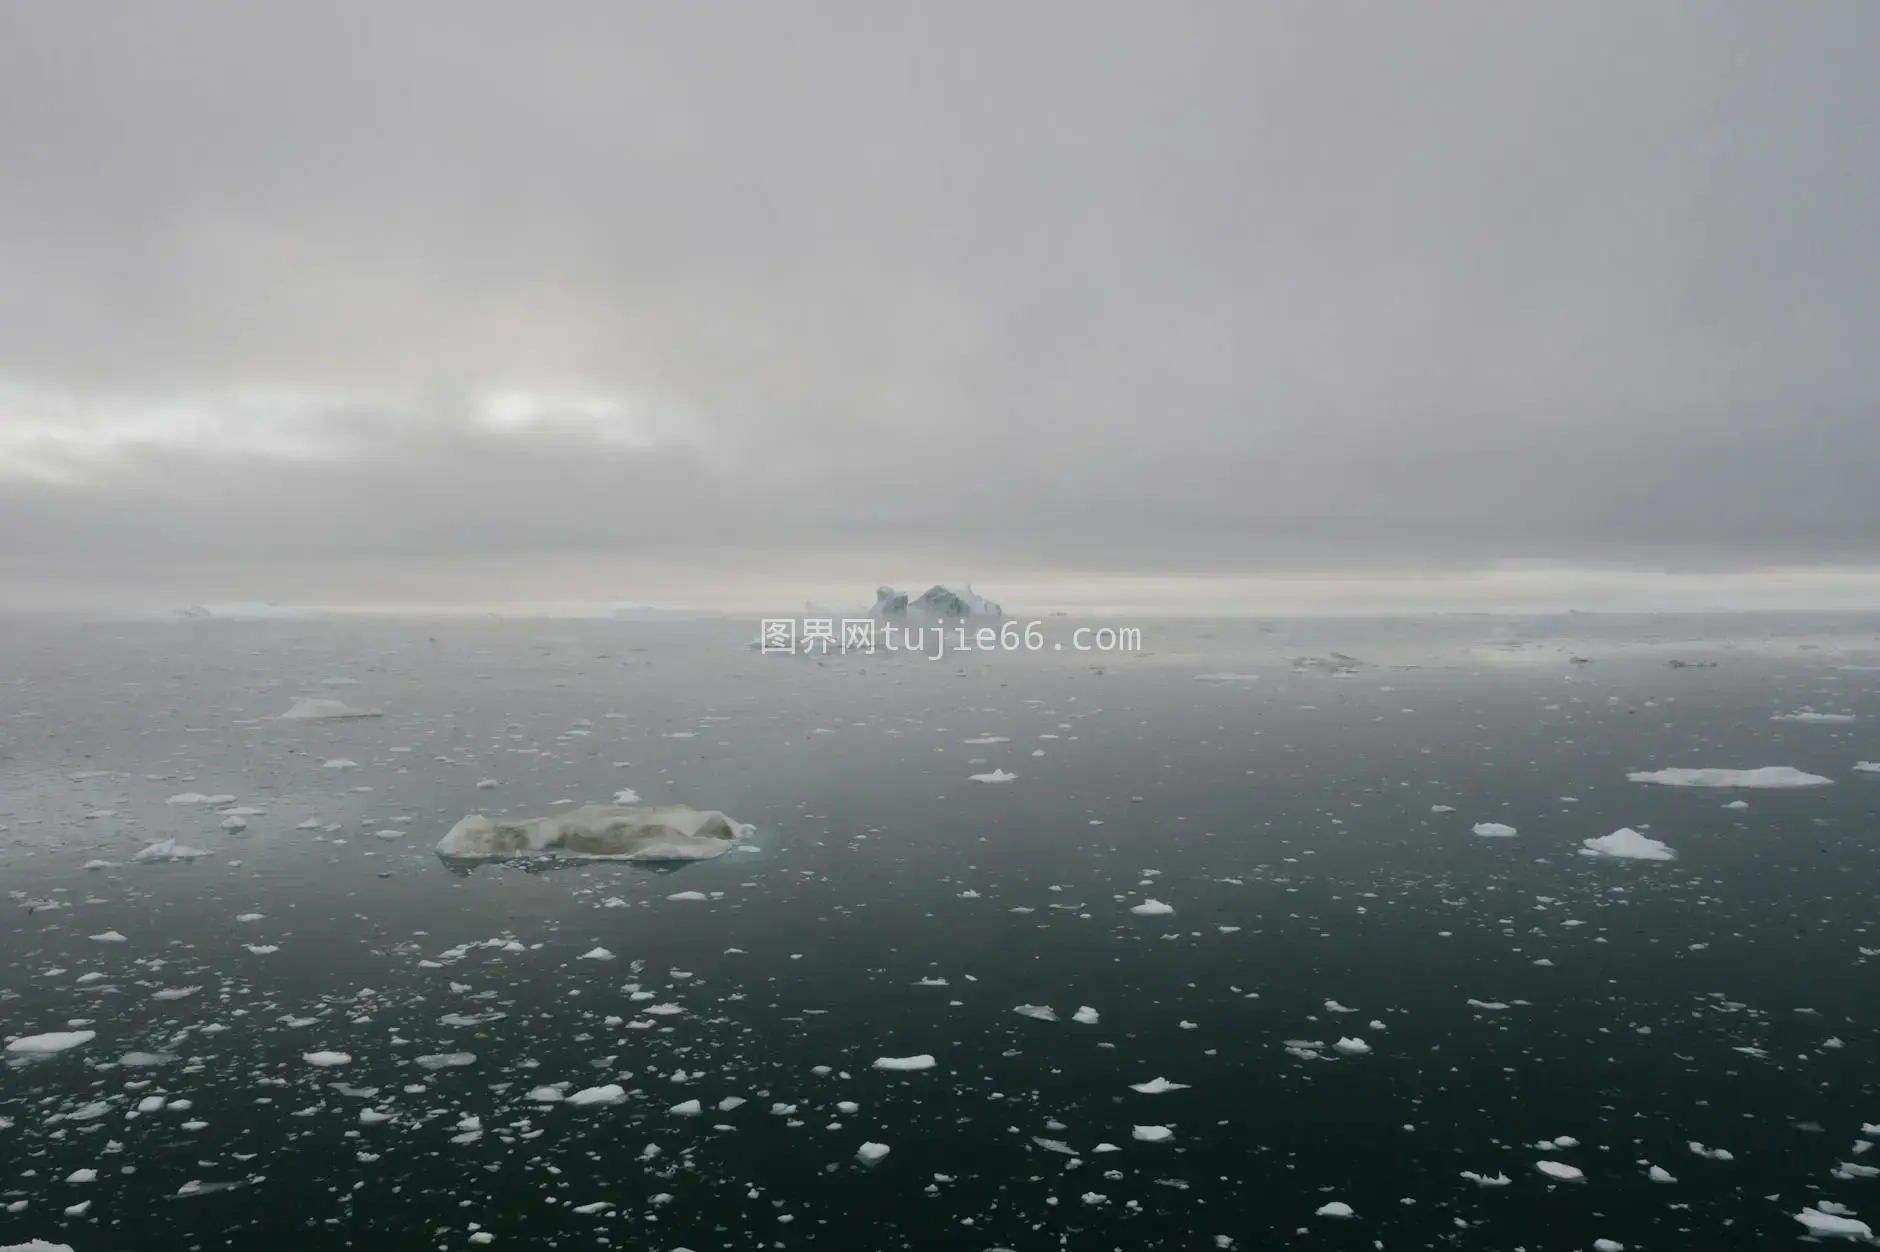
point(1105, 288)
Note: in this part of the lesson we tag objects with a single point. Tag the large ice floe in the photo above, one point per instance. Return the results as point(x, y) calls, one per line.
point(1627, 845)
point(1766, 776)
point(599, 832)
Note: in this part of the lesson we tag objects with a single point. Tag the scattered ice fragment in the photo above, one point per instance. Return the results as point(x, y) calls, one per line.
point(687, 895)
point(1483, 1180)
point(1041, 1012)
point(1659, 1173)
point(1351, 1047)
point(687, 1108)
point(1156, 1086)
point(596, 954)
point(1152, 908)
point(1494, 830)
point(869, 1153)
point(340, 762)
point(1151, 1134)
point(996, 776)
point(1085, 1016)
point(1809, 715)
point(327, 1059)
point(1627, 844)
point(1337, 1208)
point(1714, 1154)
point(1608, 1245)
point(446, 1060)
point(1560, 1171)
point(110, 936)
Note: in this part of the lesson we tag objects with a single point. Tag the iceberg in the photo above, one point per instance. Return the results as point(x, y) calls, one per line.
point(324, 710)
point(1627, 845)
point(1767, 776)
point(599, 832)
point(169, 850)
point(48, 1044)
point(938, 602)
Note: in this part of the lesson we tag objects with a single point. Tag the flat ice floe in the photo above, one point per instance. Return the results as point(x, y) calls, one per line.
point(1156, 1086)
point(1766, 776)
point(1152, 908)
point(314, 710)
point(1560, 1172)
point(1151, 1134)
point(1039, 1012)
point(48, 1044)
point(1820, 1223)
point(1627, 844)
point(996, 776)
point(869, 1153)
point(1809, 715)
point(170, 850)
point(599, 832)
point(904, 1063)
point(1494, 830)
point(1868, 767)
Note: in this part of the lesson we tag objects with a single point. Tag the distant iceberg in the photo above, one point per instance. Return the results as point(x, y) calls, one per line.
point(1766, 776)
point(938, 602)
point(254, 612)
point(599, 832)
point(324, 710)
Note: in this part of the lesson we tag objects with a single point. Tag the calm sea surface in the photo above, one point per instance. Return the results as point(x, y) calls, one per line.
point(1311, 831)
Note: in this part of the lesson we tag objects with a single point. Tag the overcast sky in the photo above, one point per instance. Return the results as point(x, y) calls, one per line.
point(563, 300)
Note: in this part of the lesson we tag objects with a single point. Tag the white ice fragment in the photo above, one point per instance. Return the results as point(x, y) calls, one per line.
point(1337, 1208)
point(1151, 1134)
point(996, 776)
point(1152, 908)
point(326, 1060)
point(1351, 1047)
point(1494, 830)
point(1040, 1012)
point(687, 1108)
point(1627, 844)
point(869, 1153)
point(1560, 1171)
point(687, 895)
point(1485, 1180)
point(596, 954)
point(1659, 1173)
point(110, 936)
point(1809, 715)
point(1085, 1016)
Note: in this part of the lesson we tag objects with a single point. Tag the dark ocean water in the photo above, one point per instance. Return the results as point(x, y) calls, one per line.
point(1290, 820)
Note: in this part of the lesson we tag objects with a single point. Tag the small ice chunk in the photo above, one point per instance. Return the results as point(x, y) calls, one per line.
point(687, 1108)
point(596, 954)
point(996, 776)
point(1659, 1173)
point(1337, 1208)
point(1152, 908)
point(1494, 830)
point(446, 1060)
point(869, 1153)
point(1486, 1180)
point(687, 895)
point(1810, 715)
point(1040, 1012)
point(1085, 1016)
point(340, 762)
point(1151, 1134)
point(1351, 1047)
point(326, 1060)
point(110, 936)
point(1560, 1171)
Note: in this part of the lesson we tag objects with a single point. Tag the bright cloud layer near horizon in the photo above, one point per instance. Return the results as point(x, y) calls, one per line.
point(483, 302)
